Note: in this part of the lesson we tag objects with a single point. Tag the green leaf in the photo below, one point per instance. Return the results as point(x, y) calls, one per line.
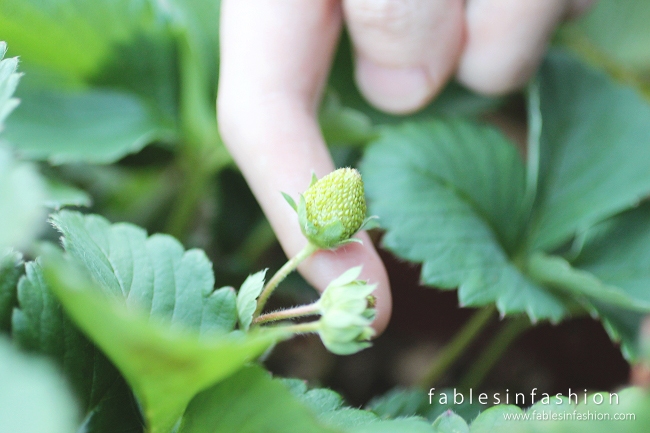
point(343, 125)
point(400, 402)
point(102, 77)
point(153, 273)
point(11, 270)
point(556, 272)
point(118, 411)
point(21, 189)
point(75, 37)
point(98, 126)
point(8, 82)
point(33, 397)
point(623, 327)
point(393, 426)
point(200, 18)
point(415, 402)
point(616, 30)
point(73, 46)
point(290, 200)
point(247, 298)
point(166, 367)
point(346, 418)
point(21, 196)
point(617, 252)
point(144, 65)
point(327, 405)
point(451, 195)
point(60, 194)
point(494, 419)
point(322, 400)
point(449, 422)
point(595, 158)
point(249, 402)
point(39, 325)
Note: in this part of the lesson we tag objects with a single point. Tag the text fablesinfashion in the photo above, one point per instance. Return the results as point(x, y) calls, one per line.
point(521, 398)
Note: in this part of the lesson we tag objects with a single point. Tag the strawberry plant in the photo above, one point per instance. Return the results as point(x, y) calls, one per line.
point(124, 226)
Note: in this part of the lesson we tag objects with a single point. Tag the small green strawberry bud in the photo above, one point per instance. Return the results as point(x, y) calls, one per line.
point(332, 209)
point(345, 326)
point(345, 334)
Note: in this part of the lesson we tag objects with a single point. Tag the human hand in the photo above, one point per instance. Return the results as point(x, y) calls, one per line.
point(275, 56)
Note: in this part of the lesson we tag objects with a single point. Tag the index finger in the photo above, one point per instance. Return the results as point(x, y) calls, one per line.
point(275, 56)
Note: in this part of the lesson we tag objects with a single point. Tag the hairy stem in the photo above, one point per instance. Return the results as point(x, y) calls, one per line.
point(291, 313)
point(458, 345)
point(282, 273)
point(303, 328)
point(494, 351)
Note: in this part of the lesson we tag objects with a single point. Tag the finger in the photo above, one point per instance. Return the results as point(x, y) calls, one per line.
point(506, 40)
point(274, 62)
point(405, 49)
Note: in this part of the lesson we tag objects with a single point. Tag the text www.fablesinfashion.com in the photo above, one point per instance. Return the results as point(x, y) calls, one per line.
point(568, 416)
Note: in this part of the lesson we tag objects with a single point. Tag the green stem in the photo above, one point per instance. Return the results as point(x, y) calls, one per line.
point(196, 106)
point(557, 273)
point(533, 147)
point(202, 152)
point(494, 351)
point(282, 273)
point(461, 341)
point(290, 313)
point(303, 328)
point(193, 187)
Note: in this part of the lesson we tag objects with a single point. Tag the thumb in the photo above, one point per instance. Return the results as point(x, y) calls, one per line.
point(274, 61)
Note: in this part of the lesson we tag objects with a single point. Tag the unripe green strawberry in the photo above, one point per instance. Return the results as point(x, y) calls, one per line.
point(333, 209)
point(337, 197)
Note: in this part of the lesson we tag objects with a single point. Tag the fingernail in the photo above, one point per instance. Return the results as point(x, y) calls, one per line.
point(397, 90)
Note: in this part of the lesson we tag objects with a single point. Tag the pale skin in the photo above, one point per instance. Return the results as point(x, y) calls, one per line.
point(275, 57)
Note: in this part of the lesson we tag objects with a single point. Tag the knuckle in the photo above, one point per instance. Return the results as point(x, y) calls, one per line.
point(393, 16)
